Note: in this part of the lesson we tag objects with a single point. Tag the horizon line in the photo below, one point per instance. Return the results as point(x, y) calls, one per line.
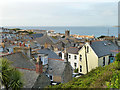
point(62, 26)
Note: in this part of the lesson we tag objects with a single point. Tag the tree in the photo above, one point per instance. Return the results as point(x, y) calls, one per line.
point(118, 57)
point(10, 76)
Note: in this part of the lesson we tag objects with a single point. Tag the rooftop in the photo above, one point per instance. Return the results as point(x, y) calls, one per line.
point(103, 48)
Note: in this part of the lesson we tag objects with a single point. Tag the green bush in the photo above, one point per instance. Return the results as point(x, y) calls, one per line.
point(114, 81)
point(118, 57)
point(76, 70)
point(101, 77)
point(10, 76)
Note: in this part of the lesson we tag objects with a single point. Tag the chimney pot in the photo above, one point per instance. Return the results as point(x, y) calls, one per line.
point(20, 44)
point(90, 42)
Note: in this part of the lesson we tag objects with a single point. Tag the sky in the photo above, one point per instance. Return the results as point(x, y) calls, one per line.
point(58, 12)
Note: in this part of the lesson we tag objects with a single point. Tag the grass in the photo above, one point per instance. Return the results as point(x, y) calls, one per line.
point(101, 77)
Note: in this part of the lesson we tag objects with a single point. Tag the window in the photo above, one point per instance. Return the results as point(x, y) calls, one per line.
point(87, 49)
point(80, 68)
point(80, 57)
point(75, 57)
point(75, 64)
point(103, 61)
point(69, 56)
point(51, 77)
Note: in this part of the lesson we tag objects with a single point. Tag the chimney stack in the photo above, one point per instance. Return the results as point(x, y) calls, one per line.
point(67, 33)
point(28, 45)
point(23, 44)
point(20, 44)
point(46, 45)
point(39, 68)
point(90, 42)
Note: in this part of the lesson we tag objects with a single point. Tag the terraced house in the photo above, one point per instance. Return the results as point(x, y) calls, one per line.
point(91, 55)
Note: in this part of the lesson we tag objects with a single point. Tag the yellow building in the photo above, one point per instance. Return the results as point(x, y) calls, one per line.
point(95, 54)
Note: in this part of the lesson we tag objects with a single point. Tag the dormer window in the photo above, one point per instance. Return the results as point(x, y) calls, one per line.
point(105, 44)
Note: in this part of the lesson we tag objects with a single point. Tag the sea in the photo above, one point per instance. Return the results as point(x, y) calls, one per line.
point(79, 30)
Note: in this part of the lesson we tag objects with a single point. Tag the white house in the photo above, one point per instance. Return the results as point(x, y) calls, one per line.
point(72, 57)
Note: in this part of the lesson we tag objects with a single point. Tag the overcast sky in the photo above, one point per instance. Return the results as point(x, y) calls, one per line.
point(58, 12)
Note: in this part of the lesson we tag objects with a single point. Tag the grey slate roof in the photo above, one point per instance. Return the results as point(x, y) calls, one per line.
point(20, 60)
point(53, 40)
point(56, 67)
point(42, 81)
point(50, 53)
point(46, 39)
point(103, 48)
point(73, 50)
point(25, 66)
point(37, 35)
point(29, 78)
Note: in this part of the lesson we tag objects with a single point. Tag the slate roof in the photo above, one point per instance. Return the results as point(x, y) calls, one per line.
point(73, 50)
point(25, 66)
point(56, 67)
point(50, 53)
point(46, 39)
point(103, 48)
point(118, 43)
point(42, 81)
point(53, 40)
point(29, 78)
point(33, 45)
point(20, 60)
point(37, 35)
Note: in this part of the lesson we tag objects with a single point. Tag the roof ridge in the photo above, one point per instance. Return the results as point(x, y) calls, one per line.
point(25, 68)
point(73, 47)
point(56, 59)
point(9, 54)
point(98, 40)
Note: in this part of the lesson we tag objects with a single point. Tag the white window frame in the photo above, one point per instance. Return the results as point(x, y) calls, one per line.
point(75, 57)
point(80, 57)
point(69, 56)
point(75, 66)
point(52, 77)
point(80, 68)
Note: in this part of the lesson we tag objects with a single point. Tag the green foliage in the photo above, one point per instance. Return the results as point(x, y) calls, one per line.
point(76, 70)
point(15, 29)
point(118, 57)
point(101, 77)
point(10, 77)
point(55, 37)
point(114, 81)
point(30, 32)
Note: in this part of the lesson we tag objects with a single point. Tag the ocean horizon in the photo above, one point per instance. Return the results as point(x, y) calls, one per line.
point(79, 30)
